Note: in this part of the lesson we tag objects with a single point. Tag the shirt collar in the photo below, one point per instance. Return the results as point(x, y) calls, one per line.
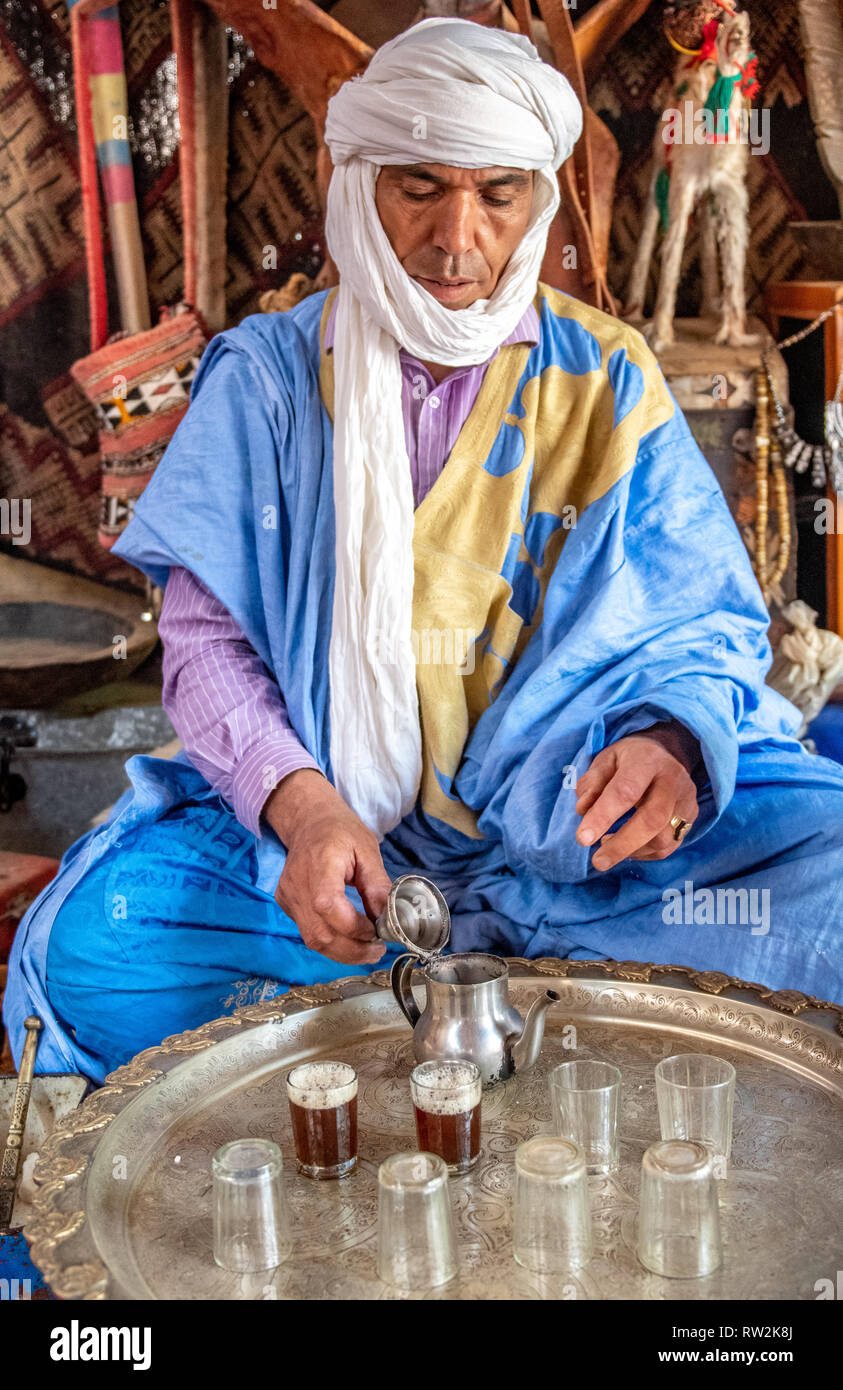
point(526, 330)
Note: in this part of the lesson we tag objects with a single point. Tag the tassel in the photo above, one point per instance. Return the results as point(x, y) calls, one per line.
point(749, 77)
point(709, 44)
point(662, 193)
point(718, 101)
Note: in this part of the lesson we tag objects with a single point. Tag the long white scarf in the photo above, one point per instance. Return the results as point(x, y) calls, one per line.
point(445, 92)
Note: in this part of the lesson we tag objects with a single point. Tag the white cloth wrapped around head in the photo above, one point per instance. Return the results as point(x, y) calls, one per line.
point(452, 92)
point(449, 91)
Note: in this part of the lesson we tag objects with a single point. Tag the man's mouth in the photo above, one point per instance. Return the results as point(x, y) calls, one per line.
point(443, 289)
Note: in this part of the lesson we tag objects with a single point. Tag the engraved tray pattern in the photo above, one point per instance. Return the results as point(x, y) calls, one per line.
point(124, 1210)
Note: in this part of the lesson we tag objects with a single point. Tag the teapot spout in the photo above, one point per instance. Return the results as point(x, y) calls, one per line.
point(527, 1048)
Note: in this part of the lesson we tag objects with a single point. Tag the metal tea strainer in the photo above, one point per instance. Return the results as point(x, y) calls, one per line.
point(416, 916)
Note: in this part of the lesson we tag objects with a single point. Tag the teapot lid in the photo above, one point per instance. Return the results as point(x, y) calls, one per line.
point(416, 915)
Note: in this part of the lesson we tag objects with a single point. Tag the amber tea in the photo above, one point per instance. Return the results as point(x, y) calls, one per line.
point(446, 1100)
point(323, 1109)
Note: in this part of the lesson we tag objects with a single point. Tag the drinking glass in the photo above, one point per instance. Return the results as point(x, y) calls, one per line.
point(417, 1246)
point(323, 1109)
point(251, 1222)
point(696, 1099)
point(552, 1218)
point(446, 1100)
point(679, 1216)
point(585, 1099)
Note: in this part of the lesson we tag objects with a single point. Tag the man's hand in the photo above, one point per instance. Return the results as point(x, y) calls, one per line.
point(650, 770)
point(328, 847)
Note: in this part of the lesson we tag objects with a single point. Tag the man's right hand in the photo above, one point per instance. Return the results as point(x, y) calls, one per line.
point(328, 848)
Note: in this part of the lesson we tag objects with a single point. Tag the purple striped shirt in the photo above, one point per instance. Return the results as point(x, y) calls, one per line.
point(226, 707)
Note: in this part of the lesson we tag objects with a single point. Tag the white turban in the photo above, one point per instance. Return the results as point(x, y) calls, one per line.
point(447, 91)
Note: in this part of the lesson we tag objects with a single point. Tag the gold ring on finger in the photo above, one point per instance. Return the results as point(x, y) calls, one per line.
point(680, 828)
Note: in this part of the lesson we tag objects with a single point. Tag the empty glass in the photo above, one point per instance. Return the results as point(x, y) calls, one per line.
point(446, 1100)
point(696, 1098)
point(585, 1099)
point(417, 1246)
point(552, 1220)
point(679, 1218)
point(323, 1109)
point(251, 1223)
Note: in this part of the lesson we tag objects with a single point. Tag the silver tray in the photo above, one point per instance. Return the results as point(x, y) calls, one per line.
point(124, 1209)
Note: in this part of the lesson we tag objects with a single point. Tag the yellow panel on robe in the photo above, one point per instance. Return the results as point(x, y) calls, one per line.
point(571, 454)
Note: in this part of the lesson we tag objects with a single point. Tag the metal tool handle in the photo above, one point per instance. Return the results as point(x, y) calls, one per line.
point(399, 978)
point(14, 1144)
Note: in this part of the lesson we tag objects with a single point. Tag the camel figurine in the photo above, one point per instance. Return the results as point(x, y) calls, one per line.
point(706, 166)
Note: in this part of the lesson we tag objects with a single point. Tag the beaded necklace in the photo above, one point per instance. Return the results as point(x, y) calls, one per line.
point(825, 460)
point(780, 448)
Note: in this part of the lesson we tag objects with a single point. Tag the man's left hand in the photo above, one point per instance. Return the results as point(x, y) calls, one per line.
point(650, 770)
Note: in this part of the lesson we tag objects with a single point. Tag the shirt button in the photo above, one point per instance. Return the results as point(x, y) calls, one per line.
point(433, 402)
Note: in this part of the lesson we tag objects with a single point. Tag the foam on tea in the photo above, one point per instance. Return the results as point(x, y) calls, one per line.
point(322, 1085)
point(323, 1111)
point(447, 1101)
point(449, 1090)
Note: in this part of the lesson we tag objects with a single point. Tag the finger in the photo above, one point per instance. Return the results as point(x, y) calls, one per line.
point(655, 809)
point(588, 792)
point(338, 915)
point(372, 882)
point(595, 777)
point(346, 951)
point(323, 911)
point(361, 948)
point(625, 790)
point(666, 843)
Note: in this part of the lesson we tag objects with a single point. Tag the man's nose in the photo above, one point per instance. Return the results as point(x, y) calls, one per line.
point(454, 228)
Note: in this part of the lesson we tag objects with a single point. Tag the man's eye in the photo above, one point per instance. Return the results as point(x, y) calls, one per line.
point(419, 197)
point(499, 202)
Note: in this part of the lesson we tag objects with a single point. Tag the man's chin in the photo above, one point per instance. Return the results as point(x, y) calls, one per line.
point(451, 296)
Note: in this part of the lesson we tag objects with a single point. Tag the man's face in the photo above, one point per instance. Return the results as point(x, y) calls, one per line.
point(453, 230)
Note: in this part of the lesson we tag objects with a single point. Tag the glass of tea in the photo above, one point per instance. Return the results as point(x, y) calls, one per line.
point(323, 1109)
point(446, 1099)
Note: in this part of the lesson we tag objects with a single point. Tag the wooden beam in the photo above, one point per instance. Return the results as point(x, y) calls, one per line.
point(310, 52)
point(598, 31)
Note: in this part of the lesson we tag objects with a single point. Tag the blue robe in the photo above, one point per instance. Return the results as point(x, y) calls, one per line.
point(579, 534)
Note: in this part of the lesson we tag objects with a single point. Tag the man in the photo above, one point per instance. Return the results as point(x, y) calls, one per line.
point(449, 587)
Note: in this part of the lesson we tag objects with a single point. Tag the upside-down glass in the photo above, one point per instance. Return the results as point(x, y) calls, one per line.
point(251, 1222)
point(323, 1109)
point(417, 1247)
point(585, 1098)
point(446, 1100)
point(679, 1216)
point(552, 1217)
point(696, 1099)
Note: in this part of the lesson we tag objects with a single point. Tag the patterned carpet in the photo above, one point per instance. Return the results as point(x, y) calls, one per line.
point(48, 448)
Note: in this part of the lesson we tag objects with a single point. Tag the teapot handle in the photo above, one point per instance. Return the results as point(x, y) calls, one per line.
point(399, 978)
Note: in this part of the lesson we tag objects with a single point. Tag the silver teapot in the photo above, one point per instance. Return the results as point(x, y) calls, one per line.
point(467, 1012)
